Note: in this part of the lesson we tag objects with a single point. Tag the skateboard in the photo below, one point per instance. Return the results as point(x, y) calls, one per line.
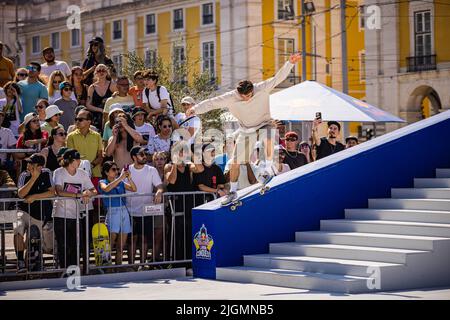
point(102, 248)
point(34, 262)
point(263, 188)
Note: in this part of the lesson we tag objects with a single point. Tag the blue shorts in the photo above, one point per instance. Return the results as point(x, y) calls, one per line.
point(118, 220)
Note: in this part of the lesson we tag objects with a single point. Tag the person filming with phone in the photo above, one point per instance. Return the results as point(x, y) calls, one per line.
point(328, 145)
point(123, 139)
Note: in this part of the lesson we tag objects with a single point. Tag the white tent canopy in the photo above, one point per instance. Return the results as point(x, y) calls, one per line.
point(302, 101)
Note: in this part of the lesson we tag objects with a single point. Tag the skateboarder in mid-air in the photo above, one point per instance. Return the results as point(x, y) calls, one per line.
point(249, 104)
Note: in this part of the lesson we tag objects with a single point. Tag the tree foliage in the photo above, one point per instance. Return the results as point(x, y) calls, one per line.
point(175, 78)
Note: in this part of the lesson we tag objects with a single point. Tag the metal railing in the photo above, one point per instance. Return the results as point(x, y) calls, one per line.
point(161, 235)
point(421, 63)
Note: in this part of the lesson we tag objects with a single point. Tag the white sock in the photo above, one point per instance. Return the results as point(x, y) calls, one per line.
point(233, 186)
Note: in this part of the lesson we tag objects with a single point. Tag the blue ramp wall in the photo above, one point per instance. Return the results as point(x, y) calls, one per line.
point(299, 199)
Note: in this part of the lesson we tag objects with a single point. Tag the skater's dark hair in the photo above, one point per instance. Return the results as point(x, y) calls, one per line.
point(245, 87)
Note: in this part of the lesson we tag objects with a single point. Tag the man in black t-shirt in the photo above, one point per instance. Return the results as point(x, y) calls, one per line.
point(327, 145)
point(34, 184)
point(293, 158)
point(212, 178)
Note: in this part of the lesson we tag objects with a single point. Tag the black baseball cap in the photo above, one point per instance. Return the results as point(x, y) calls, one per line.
point(96, 39)
point(337, 124)
point(71, 154)
point(137, 111)
point(61, 151)
point(137, 149)
point(36, 158)
point(351, 138)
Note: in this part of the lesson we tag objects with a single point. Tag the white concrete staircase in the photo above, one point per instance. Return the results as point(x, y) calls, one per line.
point(403, 241)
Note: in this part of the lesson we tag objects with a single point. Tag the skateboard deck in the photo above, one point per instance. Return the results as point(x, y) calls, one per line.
point(102, 248)
point(34, 262)
point(263, 187)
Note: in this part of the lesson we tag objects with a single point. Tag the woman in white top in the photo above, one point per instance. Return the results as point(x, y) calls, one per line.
point(11, 106)
point(161, 142)
point(54, 93)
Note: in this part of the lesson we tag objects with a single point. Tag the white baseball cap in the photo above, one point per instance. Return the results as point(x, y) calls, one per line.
point(115, 107)
point(52, 110)
point(188, 100)
point(30, 116)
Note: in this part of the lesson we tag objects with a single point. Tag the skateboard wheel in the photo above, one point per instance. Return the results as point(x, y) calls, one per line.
point(262, 191)
point(233, 208)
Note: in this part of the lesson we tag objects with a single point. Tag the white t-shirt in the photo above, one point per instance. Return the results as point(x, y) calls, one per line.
point(86, 166)
point(195, 123)
point(59, 65)
point(7, 141)
point(73, 184)
point(156, 144)
point(57, 95)
point(146, 131)
point(15, 123)
point(153, 100)
point(145, 179)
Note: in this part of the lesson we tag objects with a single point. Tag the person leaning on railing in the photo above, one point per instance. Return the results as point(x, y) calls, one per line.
point(71, 182)
point(34, 184)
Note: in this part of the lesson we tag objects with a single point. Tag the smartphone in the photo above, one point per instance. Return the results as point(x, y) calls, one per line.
point(126, 167)
point(318, 115)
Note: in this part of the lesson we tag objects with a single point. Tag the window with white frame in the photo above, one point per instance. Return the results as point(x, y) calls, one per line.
point(285, 50)
point(117, 30)
point(285, 9)
point(422, 33)
point(150, 58)
point(55, 40)
point(150, 23)
point(117, 60)
point(36, 44)
point(209, 60)
point(75, 35)
point(178, 19)
point(207, 13)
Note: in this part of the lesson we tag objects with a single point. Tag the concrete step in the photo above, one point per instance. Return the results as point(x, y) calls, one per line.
point(294, 279)
point(432, 183)
point(387, 227)
point(442, 173)
point(369, 239)
point(421, 193)
point(343, 252)
point(316, 264)
point(398, 215)
point(415, 204)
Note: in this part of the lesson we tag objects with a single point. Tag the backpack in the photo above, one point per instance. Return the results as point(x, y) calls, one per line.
point(170, 104)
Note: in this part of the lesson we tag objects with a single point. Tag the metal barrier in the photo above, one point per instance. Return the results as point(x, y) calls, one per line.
point(162, 234)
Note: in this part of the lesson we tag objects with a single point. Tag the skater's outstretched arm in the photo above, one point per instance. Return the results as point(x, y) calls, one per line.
point(220, 102)
point(281, 75)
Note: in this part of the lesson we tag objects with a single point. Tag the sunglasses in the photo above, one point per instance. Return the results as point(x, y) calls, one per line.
point(56, 81)
point(291, 139)
point(101, 71)
point(35, 120)
point(80, 119)
point(304, 146)
point(67, 89)
point(167, 126)
point(142, 154)
point(94, 44)
point(22, 74)
point(61, 134)
point(39, 106)
point(78, 74)
point(114, 169)
point(31, 68)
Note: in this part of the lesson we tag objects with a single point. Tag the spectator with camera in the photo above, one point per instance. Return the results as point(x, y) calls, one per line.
point(328, 145)
point(123, 139)
point(117, 218)
point(12, 107)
